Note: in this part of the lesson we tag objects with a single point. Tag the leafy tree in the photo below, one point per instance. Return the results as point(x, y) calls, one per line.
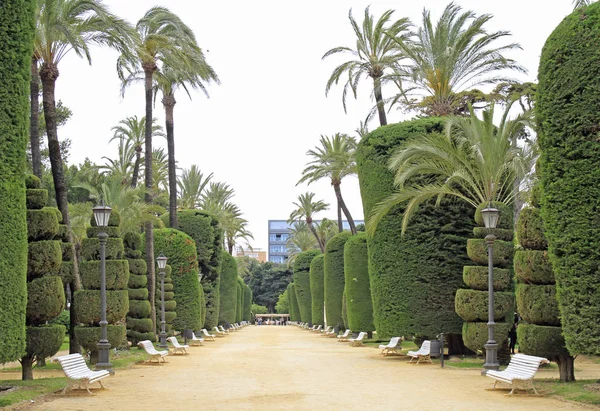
point(300, 239)
point(191, 187)
point(267, 281)
point(259, 309)
point(335, 159)
point(306, 208)
point(283, 303)
point(375, 54)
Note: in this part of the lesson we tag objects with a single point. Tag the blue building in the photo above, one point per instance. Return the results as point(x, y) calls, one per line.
point(279, 232)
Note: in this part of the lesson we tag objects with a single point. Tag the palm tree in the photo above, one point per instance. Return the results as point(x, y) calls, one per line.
point(191, 187)
point(376, 53)
point(454, 54)
point(326, 229)
point(300, 239)
point(306, 208)
point(133, 130)
point(160, 37)
point(335, 159)
point(234, 227)
point(474, 161)
point(580, 3)
point(120, 168)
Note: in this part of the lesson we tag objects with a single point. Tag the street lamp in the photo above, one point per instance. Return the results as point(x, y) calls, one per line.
point(161, 260)
point(490, 220)
point(102, 215)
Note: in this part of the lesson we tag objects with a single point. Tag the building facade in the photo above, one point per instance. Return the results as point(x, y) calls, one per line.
point(279, 232)
point(256, 253)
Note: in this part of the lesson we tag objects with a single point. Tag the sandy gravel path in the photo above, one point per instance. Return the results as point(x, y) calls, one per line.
point(285, 368)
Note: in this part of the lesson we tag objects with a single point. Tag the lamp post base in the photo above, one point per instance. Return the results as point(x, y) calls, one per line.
point(491, 357)
point(162, 340)
point(103, 363)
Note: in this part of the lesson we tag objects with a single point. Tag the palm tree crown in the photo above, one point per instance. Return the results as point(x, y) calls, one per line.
point(306, 208)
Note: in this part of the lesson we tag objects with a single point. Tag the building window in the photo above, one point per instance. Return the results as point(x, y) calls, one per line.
point(278, 249)
point(279, 259)
point(278, 225)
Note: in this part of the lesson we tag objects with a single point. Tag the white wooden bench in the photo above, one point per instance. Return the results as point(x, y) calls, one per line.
point(209, 337)
point(392, 347)
point(358, 341)
point(76, 369)
point(344, 337)
point(223, 329)
point(195, 341)
point(424, 353)
point(318, 329)
point(219, 332)
point(153, 352)
point(519, 373)
point(178, 348)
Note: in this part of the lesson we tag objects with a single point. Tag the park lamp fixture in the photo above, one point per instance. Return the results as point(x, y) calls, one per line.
point(102, 215)
point(162, 261)
point(490, 216)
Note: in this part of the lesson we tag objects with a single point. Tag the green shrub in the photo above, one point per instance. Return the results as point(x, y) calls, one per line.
point(63, 319)
point(533, 267)
point(137, 281)
point(294, 310)
point(344, 310)
point(88, 306)
point(45, 299)
point(132, 241)
point(36, 198)
point(117, 274)
point(472, 305)
point(333, 278)
point(67, 251)
point(138, 294)
point(139, 308)
point(475, 335)
point(240, 301)
point(537, 304)
point(476, 277)
point(63, 234)
point(41, 224)
point(43, 258)
point(92, 232)
point(66, 272)
point(302, 283)
point(502, 253)
point(88, 337)
point(138, 266)
point(45, 341)
point(358, 290)
point(90, 249)
point(540, 340)
point(228, 289)
point(135, 336)
point(530, 230)
point(32, 182)
point(142, 325)
point(317, 292)
point(567, 117)
point(247, 314)
point(503, 234)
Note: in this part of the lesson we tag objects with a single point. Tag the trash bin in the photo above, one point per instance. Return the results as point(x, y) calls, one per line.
point(435, 348)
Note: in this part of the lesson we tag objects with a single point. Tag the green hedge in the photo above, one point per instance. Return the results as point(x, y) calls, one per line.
point(475, 335)
point(567, 114)
point(240, 301)
point(472, 305)
point(45, 341)
point(137, 266)
point(32, 182)
point(413, 277)
point(43, 258)
point(533, 266)
point(206, 231)
point(16, 36)
point(358, 289)
point(135, 336)
point(294, 309)
point(66, 272)
point(476, 277)
point(530, 230)
point(132, 242)
point(503, 234)
point(180, 250)
point(63, 234)
point(92, 232)
point(142, 325)
point(117, 274)
point(247, 313)
point(502, 253)
point(45, 299)
point(137, 281)
point(138, 294)
point(41, 224)
point(317, 292)
point(88, 306)
point(333, 278)
point(68, 251)
point(228, 289)
point(88, 337)
point(344, 310)
point(36, 198)
point(537, 304)
point(541, 340)
point(90, 249)
point(301, 278)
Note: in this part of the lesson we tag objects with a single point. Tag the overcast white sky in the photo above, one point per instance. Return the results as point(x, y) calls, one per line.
point(254, 130)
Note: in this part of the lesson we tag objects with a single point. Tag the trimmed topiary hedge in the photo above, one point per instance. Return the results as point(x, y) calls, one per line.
point(170, 303)
point(302, 283)
point(88, 306)
point(472, 305)
point(475, 334)
point(358, 290)
point(41, 224)
point(317, 292)
point(140, 325)
point(240, 300)
point(503, 234)
point(476, 277)
point(88, 337)
point(138, 266)
point(90, 249)
point(36, 199)
point(344, 310)
point(137, 281)
point(537, 304)
point(117, 274)
point(333, 279)
point(542, 340)
point(294, 310)
point(44, 258)
point(45, 341)
point(138, 294)
point(530, 230)
point(533, 267)
point(228, 289)
point(567, 115)
point(45, 299)
point(92, 232)
point(247, 313)
point(502, 254)
point(32, 182)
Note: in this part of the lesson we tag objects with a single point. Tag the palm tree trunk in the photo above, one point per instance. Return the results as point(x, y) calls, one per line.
point(34, 134)
point(379, 100)
point(342, 204)
point(169, 103)
point(136, 167)
point(312, 230)
point(148, 228)
point(49, 74)
point(339, 218)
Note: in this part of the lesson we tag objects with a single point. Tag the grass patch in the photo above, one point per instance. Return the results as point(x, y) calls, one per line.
point(28, 390)
point(584, 391)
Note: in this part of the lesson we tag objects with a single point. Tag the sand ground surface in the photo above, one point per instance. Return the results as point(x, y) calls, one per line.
point(286, 368)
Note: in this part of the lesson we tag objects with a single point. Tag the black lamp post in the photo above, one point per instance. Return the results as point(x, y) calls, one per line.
point(162, 264)
point(102, 215)
point(490, 220)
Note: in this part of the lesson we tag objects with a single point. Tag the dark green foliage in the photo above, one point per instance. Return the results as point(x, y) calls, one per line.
point(302, 283)
point(135, 336)
point(317, 292)
point(62, 234)
point(132, 241)
point(240, 300)
point(294, 310)
point(142, 325)
point(41, 224)
point(228, 289)
point(139, 308)
point(413, 278)
point(206, 231)
point(541, 340)
point(36, 198)
point(67, 251)
point(113, 221)
point(33, 182)
point(137, 281)
point(472, 305)
point(66, 272)
point(567, 114)
point(502, 253)
point(45, 299)
point(506, 215)
point(117, 274)
point(476, 277)
point(44, 258)
point(344, 310)
point(92, 232)
point(139, 321)
point(43, 342)
point(333, 278)
point(88, 337)
point(63, 319)
point(170, 303)
point(138, 294)
point(247, 309)
point(90, 249)
point(530, 230)
point(475, 335)
point(267, 281)
point(537, 304)
point(358, 289)
point(138, 266)
point(533, 267)
point(88, 306)
point(503, 234)
point(180, 249)
point(16, 36)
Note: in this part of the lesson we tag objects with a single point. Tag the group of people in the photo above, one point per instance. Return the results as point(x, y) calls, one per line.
point(280, 321)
